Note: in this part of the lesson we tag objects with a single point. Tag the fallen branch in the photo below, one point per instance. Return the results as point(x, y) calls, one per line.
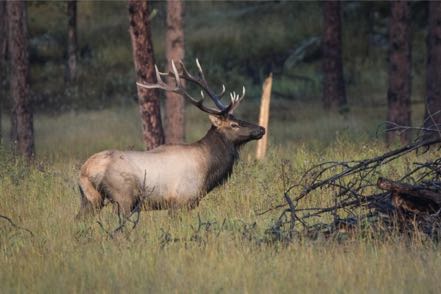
point(414, 198)
point(15, 225)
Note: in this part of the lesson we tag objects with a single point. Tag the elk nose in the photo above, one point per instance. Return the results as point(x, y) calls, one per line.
point(258, 133)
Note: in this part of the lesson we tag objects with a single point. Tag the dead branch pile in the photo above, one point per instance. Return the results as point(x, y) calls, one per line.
point(360, 197)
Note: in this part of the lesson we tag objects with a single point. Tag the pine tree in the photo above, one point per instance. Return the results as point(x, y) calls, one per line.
point(174, 103)
point(400, 81)
point(143, 56)
point(19, 76)
point(334, 92)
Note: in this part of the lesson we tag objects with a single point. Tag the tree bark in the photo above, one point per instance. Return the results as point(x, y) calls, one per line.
point(149, 107)
point(174, 103)
point(71, 66)
point(400, 80)
point(19, 76)
point(334, 92)
point(3, 47)
point(433, 70)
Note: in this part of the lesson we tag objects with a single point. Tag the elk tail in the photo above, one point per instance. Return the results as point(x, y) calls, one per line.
point(91, 199)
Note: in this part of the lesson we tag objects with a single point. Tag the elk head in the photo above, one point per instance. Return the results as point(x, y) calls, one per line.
point(236, 131)
point(222, 119)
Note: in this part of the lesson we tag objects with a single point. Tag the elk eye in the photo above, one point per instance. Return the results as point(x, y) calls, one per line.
point(234, 125)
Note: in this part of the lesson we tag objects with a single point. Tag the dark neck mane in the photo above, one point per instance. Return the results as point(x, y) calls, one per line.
point(220, 155)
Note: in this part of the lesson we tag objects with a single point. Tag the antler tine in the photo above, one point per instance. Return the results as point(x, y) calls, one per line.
point(203, 82)
point(175, 72)
point(201, 73)
point(222, 92)
point(235, 97)
point(159, 82)
point(243, 93)
point(235, 100)
point(160, 73)
point(185, 74)
point(158, 76)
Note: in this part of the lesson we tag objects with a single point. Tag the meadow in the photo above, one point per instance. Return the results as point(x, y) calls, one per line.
point(223, 245)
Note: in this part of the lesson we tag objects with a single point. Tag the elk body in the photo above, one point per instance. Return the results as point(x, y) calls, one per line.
point(170, 176)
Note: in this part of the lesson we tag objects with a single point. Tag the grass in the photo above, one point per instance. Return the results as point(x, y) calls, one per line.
point(221, 246)
point(218, 247)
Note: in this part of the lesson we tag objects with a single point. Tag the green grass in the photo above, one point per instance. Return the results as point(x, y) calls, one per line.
point(169, 254)
point(231, 252)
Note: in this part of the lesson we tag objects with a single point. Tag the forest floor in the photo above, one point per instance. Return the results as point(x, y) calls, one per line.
point(222, 245)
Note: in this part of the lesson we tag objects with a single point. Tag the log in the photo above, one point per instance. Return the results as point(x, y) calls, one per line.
point(413, 198)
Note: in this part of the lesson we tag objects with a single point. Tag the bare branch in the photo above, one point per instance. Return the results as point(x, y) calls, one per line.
point(15, 225)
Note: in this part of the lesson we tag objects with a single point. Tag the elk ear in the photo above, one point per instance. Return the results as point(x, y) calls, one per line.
point(215, 120)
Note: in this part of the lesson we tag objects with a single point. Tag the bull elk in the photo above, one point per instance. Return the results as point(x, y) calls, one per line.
point(170, 176)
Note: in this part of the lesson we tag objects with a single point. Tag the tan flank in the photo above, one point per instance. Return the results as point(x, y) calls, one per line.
point(170, 176)
point(264, 116)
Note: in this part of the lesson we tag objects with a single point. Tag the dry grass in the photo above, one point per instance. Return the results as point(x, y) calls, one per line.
point(164, 254)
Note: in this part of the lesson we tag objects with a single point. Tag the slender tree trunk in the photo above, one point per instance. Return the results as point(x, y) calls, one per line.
point(174, 103)
point(139, 13)
point(400, 81)
point(433, 71)
point(3, 47)
point(71, 66)
point(19, 76)
point(262, 144)
point(334, 92)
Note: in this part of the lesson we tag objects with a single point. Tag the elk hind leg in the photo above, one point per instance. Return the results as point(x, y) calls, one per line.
point(91, 199)
point(125, 203)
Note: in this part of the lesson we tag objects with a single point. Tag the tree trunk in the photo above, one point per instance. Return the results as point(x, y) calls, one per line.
point(139, 13)
point(432, 118)
point(71, 66)
point(3, 47)
point(19, 76)
point(174, 103)
point(262, 144)
point(334, 92)
point(400, 81)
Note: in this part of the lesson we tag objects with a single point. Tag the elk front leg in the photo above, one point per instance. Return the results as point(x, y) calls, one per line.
point(175, 207)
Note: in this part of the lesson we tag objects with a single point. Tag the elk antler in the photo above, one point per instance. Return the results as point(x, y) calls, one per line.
point(202, 83)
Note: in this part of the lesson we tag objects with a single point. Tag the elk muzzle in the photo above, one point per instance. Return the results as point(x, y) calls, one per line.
point(258, 133)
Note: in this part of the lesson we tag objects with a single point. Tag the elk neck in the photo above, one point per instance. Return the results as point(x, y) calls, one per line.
point(219, 156)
